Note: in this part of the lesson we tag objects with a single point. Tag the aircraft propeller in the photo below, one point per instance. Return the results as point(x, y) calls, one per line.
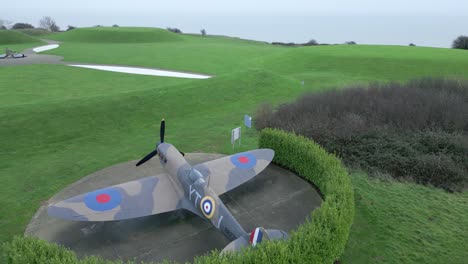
point(162, 130)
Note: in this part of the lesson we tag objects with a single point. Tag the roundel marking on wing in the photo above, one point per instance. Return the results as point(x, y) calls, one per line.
point(103, 200)
point(208, 206)
point(244, 160)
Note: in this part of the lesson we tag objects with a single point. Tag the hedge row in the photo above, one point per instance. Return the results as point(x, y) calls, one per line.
point(320, 240)
point(324, 238)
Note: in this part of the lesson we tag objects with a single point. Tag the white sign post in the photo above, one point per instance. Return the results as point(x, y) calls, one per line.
point(235, 135)
point(248, 121)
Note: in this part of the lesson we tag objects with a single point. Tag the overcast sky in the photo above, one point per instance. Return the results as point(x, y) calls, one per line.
point(261, 19)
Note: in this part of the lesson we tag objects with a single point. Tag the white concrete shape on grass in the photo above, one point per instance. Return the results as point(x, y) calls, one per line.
point(46, 47)
point(143, 71)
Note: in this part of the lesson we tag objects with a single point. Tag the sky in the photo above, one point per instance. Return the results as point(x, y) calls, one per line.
point(428, 23)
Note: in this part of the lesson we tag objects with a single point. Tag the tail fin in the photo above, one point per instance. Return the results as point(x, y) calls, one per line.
point(258, 235)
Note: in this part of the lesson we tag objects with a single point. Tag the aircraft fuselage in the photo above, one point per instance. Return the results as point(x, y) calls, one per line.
point(200, 198)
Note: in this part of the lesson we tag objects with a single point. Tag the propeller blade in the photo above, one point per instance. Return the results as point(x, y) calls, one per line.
point(162, 130)
point(147, 157)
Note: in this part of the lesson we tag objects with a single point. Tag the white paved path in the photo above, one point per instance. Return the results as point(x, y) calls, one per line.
point(46, 47)
point(142, 71)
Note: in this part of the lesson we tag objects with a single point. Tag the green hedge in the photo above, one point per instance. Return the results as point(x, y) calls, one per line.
point(324, 238)
point(320, 240)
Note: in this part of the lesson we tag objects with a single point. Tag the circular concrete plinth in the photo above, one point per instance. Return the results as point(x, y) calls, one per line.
point(274, 199)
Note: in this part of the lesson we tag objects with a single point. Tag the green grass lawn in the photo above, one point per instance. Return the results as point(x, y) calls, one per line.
point(17, 41)
point(407, 223)
point(58, 123)
point(36, 32)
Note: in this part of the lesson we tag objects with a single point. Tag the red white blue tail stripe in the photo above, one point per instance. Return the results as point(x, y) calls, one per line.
point(256, 236)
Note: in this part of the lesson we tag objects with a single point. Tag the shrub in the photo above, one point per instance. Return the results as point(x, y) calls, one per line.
point(460, 43)
point(22, 250)
point(174, 30)
point(22, 26)
point(387, 127)
point(350, 43)
point(311, 42)
point(412, 45)
point(203, 32)
point(70, 28)
point(321, 239)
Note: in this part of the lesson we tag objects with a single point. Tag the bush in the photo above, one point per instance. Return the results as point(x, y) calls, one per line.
point(33, 250)
point(394, 128)
point(311, 42)
point(460, 43)
point(350, 43)
point(321, 239)
point(203, 32)
point(22, 26)
point(70, 28)
point(174, 30)
point(22, 250)
point(412, 45)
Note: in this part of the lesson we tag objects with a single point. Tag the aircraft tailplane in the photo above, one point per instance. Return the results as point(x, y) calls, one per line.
point(258, 235)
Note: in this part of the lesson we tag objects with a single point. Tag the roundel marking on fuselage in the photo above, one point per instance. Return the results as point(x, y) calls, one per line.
point(208, 206)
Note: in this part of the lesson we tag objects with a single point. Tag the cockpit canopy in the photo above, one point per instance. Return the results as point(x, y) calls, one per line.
point(196, 177)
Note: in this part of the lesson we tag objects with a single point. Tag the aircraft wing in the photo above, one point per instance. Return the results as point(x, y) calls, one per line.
point(227, 173)
point(146, 196)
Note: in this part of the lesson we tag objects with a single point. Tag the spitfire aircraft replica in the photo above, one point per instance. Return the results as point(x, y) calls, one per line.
point(194, 188)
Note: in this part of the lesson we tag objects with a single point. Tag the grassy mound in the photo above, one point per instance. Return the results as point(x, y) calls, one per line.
point(117, 35)
point(15, 37)
point(35, 32)
point(414, 131)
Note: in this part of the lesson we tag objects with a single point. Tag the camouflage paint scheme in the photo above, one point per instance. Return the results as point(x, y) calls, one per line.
point(184, 187)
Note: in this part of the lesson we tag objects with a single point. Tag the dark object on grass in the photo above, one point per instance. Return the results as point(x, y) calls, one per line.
point(417, 130)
